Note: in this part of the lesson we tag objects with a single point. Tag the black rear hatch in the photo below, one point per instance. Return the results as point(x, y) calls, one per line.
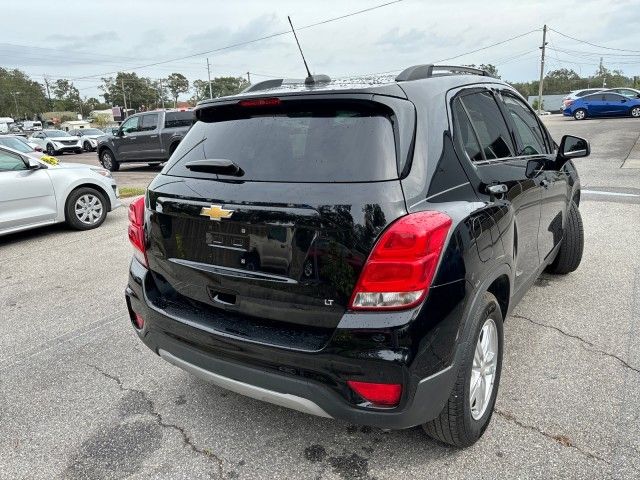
point(270, 209)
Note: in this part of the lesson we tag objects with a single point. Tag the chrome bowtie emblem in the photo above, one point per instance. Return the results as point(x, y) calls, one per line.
point(216, 212)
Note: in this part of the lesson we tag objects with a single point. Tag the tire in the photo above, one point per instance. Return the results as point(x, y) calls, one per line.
point(463, 421)
point(86, 146)
point(50, 150)
point(85, 209)
point(635, 112)
point(172, 148)
point(108, 161)
point(78, 151)
point(570, 254)
point(580, 114)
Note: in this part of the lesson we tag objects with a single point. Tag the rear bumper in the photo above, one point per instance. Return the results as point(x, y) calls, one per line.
point(311, 382)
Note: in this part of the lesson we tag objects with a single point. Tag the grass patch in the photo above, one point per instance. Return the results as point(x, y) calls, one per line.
point(126, 192)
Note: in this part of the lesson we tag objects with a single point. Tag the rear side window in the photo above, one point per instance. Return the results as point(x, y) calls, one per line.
point(482, 129)
point(300, 142)
point(178, 119)
point(149, 122)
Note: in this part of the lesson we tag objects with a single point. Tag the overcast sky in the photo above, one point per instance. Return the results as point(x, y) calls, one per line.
point(73, 39)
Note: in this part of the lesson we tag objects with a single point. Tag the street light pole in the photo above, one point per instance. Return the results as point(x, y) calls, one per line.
point(15, 98)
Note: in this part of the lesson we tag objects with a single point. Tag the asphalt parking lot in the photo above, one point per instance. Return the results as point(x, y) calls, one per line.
point(82, 397)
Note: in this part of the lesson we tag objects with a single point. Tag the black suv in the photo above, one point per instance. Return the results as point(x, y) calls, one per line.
point(351, 250)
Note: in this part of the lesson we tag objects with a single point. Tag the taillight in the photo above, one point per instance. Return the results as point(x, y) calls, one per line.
point(399, 270)
point(136, 230)
point(378, 394)
point(567, 103)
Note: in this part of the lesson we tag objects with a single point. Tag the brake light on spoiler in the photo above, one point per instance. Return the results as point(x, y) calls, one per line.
point(400, 269)
point(259, 102)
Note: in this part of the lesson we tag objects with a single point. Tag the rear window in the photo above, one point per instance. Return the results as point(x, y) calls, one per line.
point(178, 119)
point(302, 142)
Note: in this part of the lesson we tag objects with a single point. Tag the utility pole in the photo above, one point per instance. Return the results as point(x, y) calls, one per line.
point(601, 72)
point(124, 96)
point(249, 77)
point(46, 84)
point(543, 48)
point(209, 75)
point(161, 94)
point(15, 98)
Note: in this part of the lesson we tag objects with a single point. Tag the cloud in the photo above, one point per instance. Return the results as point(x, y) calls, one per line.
point(416, 39)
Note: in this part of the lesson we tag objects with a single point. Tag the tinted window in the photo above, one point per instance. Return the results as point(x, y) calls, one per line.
point(612, 97)
point(464, 132)
point(593, 98)
point(178, 119)
point(9, 161)
point(584, 92)
point(526, 125)
point(56, 133)
point(306, 142)
point(488, 124)
point(149, 122)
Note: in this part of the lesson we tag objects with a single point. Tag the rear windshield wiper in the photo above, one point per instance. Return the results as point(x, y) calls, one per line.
point(221, 166)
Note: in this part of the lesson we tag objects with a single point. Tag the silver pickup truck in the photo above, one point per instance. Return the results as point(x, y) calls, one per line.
point(147, 137)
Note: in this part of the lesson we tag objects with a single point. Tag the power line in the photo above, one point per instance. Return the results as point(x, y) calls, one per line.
point(248, 42)
point(594, 44)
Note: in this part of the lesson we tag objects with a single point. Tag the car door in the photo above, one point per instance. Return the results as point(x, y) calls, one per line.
point(26, 196)
point(595, 105)
point(483, 135)
point(534, 145)
point(126, 142)
point(149, 139)
point(616, 104)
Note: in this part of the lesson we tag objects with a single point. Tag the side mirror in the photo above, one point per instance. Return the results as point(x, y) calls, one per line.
point(34, 164)
point(533, 166)
point(115, 132)
point(573, 147)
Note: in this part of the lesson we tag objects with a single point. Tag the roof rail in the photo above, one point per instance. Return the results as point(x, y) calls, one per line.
point(265, 84)
point(429, 70)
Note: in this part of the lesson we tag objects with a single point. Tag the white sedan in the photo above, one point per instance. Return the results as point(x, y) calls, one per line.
point(56, 142)
point(34, 193)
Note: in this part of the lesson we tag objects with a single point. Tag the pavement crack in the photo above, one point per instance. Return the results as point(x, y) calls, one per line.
point(562, 440)
point(586, 344)
point(186, 439)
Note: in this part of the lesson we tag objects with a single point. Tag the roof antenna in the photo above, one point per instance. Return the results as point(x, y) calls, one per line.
point(309, 79)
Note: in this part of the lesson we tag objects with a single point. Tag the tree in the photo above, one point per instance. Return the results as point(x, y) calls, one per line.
point(177, 84)
point(95, 104)
point(139, 91)
point(101, 120)
point(220, 86)
point(20, 97)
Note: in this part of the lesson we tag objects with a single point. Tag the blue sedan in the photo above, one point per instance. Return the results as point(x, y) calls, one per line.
point(603, 105)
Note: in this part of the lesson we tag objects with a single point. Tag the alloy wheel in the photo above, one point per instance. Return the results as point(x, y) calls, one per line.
point(579, 115)
point(106, 160)
point(635, 112)
point(483, 369)
point(88, 209)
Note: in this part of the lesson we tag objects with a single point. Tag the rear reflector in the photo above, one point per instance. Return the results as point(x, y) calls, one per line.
point(136, 230)
point(399, 270)
point(259, 102)
point(138, 321)
point(379, 394)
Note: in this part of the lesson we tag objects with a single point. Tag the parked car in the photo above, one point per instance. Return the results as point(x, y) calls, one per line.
point(427, 230)
point(57, 142)
point(149, 137)
point(627, 92)
point(577, 94)
point(89, 137)
point(34, 193)
point(32, 126)
point(20, 144)
point(603, 104)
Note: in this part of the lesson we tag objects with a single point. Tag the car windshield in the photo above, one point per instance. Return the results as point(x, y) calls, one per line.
point(56, 133)
point(16, 144)
point(91, 131)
